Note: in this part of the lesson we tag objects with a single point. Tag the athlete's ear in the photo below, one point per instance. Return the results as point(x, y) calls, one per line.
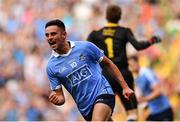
point(64, 34)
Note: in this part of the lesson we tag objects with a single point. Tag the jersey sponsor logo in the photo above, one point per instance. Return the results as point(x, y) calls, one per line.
point(79, 75)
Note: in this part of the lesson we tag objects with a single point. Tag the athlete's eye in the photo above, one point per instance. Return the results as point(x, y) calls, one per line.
point(46, 34)
point(53, 33)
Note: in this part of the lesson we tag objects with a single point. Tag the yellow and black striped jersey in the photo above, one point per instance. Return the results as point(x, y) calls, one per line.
point(113, 39)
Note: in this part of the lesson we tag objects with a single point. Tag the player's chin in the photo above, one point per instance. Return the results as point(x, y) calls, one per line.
point(54, 47)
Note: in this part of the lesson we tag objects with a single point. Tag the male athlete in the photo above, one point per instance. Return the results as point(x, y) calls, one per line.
point(113, 38)
point(75, 65)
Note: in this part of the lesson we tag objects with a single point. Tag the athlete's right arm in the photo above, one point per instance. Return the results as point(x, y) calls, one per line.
point(115, 72)
point(57, 97)
point(138, 45)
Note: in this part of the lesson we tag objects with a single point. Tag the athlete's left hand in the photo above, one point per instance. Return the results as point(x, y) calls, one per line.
point(155, 39)
point(127, 92)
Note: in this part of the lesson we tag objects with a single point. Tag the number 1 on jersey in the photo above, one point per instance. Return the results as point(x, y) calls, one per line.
point(109, 44)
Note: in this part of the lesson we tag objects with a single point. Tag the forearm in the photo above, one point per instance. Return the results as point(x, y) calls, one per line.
point(115, 73)
point(151, 96)
point(138, 45)
point(141, 45)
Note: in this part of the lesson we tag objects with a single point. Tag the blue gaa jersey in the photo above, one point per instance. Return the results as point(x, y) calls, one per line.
point(79, 72)
point(145, 81)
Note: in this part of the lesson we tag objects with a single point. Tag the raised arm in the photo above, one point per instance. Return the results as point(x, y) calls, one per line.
point(140, 45)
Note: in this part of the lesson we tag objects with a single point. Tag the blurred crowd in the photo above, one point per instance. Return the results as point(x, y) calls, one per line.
point(24, 87)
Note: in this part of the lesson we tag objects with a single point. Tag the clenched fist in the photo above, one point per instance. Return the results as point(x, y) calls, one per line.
point(127, 92)
point(56, 98)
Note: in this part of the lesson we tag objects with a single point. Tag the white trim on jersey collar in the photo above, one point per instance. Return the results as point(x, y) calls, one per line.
point(55, 54)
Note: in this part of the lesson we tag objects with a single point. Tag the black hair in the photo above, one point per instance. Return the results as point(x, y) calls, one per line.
point(57, 22)
point(113, 13)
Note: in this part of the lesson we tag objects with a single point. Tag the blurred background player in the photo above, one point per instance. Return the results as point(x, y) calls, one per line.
point(75, 65)
point(113, 38)
point(150, 89)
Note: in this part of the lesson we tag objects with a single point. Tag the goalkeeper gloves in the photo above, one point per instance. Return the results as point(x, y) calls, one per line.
point(155, 39)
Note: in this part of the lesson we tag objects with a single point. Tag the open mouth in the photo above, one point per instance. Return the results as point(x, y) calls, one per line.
point(52, 44)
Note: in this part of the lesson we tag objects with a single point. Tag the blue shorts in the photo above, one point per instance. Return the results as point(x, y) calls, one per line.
point(166, 115)
point(107, 99)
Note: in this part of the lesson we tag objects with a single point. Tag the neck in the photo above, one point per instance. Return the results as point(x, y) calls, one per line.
point(65, 49)
point(138, 70)
point(110, 24)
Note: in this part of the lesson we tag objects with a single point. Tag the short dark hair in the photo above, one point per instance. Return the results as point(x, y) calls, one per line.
point(57, 22)
point(113, 13)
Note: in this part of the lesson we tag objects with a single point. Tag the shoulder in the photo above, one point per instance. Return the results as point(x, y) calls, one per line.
point(127, 29)
point(98, 31)
point(124, 30)
point(93, 33)
point(149, 73)
point(89, 44)
point(84, 43)
point(123, 27)
point(50, 62)
point(144, 70)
